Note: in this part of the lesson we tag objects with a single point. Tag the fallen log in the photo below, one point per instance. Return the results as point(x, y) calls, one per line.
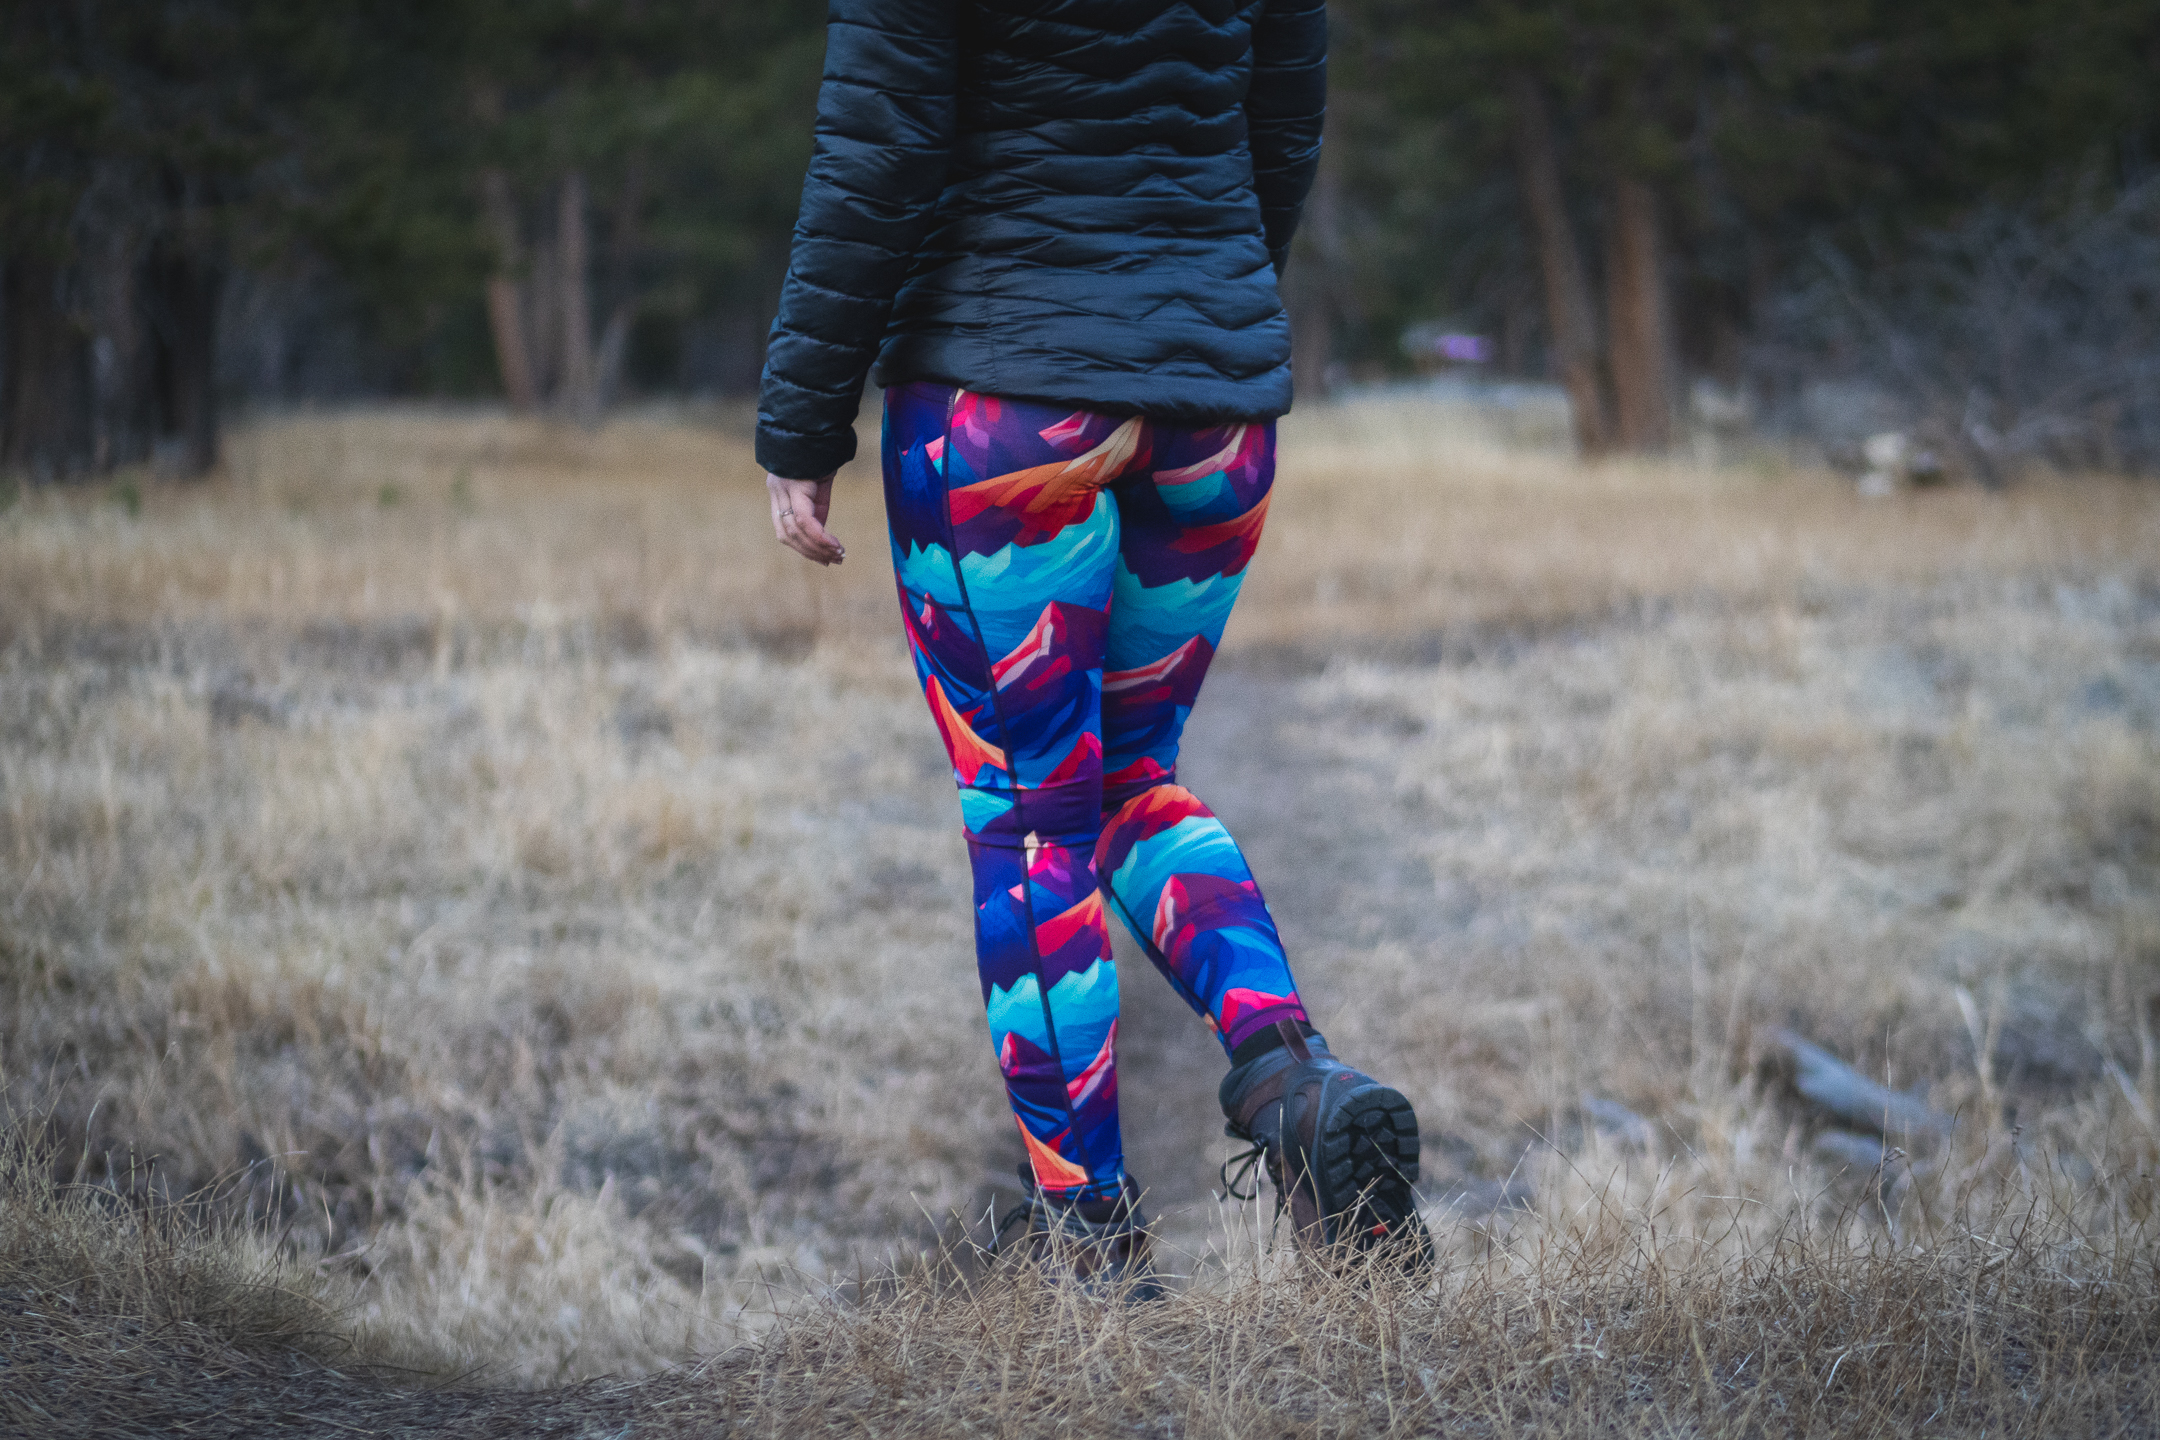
point(1826, 1084)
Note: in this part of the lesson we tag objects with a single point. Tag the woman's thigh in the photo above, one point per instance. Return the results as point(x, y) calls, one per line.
point(1191, 517)
point(1005, 544)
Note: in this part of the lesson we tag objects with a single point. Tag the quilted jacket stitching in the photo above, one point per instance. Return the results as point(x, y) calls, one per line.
point(946, 219)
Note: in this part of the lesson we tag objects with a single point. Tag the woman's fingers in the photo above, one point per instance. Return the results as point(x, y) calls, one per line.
point(808, 538)
point(799, 508)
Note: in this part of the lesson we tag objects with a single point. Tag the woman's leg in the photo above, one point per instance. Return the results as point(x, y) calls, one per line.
point(1341, 1147)
point(1005, 544)
point(1191, 516)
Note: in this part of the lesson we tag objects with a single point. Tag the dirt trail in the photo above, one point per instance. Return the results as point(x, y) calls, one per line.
point(1294, 814)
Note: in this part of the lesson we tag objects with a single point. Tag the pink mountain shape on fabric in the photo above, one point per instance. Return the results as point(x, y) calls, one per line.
point(1050, 862)
point(922, 626)
point(1168, 907)
point(1244, 531)
point(1238, 1001)
point(1185, 897)
point(1046, 652)
point(918, 622)
point(1086, 753)
point(1044, 499)
point(1220, 461)
point(1038, 650)
point(1175, 677)
point(1069, 433)
point(975, 416)
point(936, 639)
point(969, 751)
point(1145, 768)
point(1102, 1069)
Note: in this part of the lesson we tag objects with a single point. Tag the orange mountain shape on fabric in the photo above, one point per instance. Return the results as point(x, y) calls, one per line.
point(1052, 1170)
point(969, 751)
point(1245, 529)
point(1221, 460)
point(1052, 934)
point(1047, 498)
point(1160, 808)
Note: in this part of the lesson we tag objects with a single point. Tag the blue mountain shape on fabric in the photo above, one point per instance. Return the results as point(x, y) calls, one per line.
point(1148, 622)
point(928, 570)
point(1196, 845)
point(979, 809)
point(1074, 566)
point(1204, 501)
point(1017, 1011)
point(1084, 1003)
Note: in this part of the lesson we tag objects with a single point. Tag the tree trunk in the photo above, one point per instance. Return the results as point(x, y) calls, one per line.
point(580, 392)
point(614, 353)
point(1568, 309)
point(183, 289)
point(124, 405)
point(621, 281)
point(1639, 318)
point(542, 294)
point(44, 375)
point(505, 295)
point(1518, 323)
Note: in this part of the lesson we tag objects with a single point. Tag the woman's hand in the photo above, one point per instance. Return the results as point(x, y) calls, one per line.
point(799, 508)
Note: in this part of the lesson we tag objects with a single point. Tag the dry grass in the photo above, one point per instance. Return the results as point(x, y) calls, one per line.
point(475, 852)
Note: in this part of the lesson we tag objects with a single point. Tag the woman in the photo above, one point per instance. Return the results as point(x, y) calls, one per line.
point(1051, 229)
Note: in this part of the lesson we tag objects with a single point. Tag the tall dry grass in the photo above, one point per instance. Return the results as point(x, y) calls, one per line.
point(476, 852)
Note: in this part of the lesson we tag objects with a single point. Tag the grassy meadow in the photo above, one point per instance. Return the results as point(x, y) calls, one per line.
point(484, 949)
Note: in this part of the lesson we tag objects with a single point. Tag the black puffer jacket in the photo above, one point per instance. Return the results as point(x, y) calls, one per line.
point(1077, 201)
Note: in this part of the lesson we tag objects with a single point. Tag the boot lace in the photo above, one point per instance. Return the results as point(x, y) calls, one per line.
point(1248, 1163)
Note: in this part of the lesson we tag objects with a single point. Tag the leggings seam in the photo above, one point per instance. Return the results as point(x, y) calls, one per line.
point(1012, 772)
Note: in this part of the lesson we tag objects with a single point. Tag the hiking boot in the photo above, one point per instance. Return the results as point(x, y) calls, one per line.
point(1102, 1244)
point(1341, 1148)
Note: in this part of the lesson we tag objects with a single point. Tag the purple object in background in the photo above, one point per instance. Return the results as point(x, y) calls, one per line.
point(1432, 340)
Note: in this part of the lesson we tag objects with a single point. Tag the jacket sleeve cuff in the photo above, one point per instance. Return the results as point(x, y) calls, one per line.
point(803, 457)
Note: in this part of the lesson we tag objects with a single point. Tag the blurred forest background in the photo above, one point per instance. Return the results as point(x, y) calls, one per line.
point(1819, 220)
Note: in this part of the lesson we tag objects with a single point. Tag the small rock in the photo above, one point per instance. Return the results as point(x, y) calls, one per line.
point(1617, 1122)
point(235, 702)
point(1843, 1150)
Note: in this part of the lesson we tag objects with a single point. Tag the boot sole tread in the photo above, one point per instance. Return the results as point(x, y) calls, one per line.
point(1369, 1158)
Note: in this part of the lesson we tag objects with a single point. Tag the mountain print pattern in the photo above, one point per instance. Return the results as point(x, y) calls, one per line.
point(1064, 578)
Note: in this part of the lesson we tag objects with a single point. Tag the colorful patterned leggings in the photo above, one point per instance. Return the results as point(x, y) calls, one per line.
point(1065, 578)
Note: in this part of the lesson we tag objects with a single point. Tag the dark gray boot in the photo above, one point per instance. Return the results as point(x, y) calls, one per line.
point(1341, 1148)
point(1102, 1244)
